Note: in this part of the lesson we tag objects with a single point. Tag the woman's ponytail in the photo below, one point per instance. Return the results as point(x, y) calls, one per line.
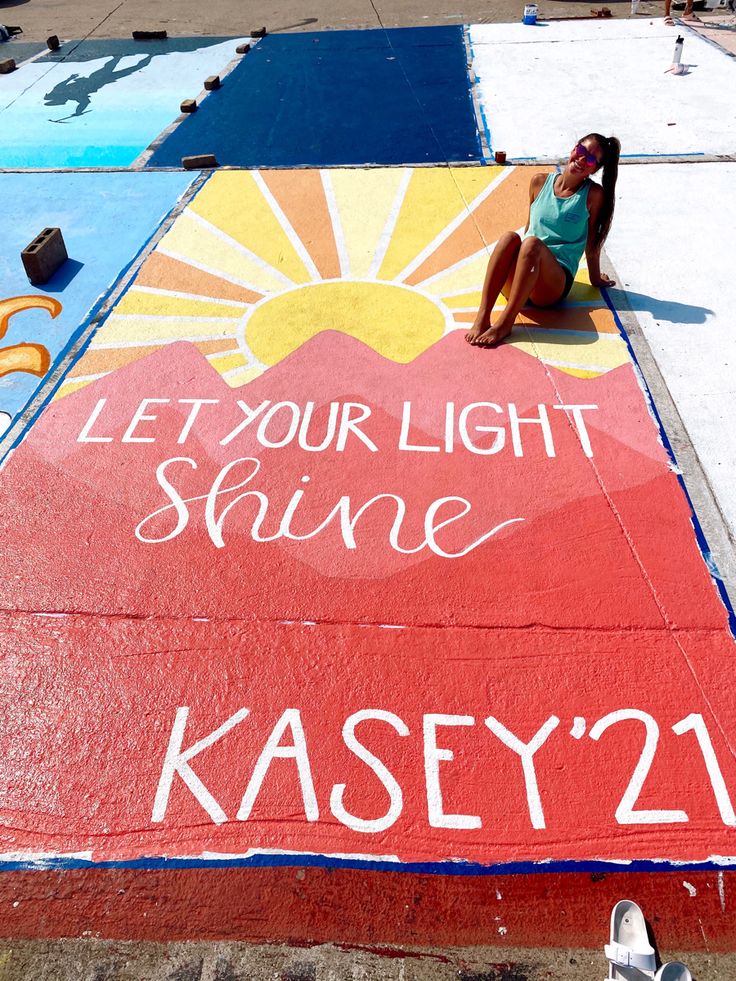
point(611, 152)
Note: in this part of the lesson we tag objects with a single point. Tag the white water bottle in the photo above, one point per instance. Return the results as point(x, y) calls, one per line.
point(678, 50)
point(634, 7)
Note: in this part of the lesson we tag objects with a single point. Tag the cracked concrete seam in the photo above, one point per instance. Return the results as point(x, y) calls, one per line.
point(184, 618)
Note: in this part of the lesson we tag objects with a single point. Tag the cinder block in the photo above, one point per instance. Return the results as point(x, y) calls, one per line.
point(150, 35)
point(203, 161)
point(242, 49)
point(212, 83)
point(45, 254)
point(53, 43)
point(7, 66)
point(259, 32)
point(188, 105)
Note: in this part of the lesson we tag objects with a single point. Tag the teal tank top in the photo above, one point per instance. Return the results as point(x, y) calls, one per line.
point(561, 223)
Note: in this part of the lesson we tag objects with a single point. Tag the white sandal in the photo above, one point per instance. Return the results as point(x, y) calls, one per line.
point(673, 971)
point(629, 946)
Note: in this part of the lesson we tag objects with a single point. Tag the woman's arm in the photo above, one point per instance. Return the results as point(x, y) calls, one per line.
point(593, 253)
point(535, 186)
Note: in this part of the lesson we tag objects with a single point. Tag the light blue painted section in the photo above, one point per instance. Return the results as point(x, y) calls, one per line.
point(103, 103)
point(105, 219)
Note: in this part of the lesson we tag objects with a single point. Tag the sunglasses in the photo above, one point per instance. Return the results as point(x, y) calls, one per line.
point(590, 158)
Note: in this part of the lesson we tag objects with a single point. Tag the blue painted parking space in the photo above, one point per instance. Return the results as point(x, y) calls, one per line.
point(345, 97)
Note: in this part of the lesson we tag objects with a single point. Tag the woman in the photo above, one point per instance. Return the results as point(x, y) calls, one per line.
point(568, 214)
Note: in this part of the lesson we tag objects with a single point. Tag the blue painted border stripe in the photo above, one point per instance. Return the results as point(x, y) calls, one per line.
point(702, 541)
point(371, 865)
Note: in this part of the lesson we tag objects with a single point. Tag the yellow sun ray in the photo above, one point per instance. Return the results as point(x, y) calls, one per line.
point(241, 376)
point(471, 182)
point(463, 301)
point(364, 200)
point(69, 386)
point(577, 350)
point(226, 362)
point(171, 305)
point(191, 238)
point(464, 275)
point(238, 205)
point(430, 203)
point(126, 329)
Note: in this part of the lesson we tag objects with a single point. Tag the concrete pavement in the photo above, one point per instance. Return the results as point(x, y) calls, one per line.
point(105, 18)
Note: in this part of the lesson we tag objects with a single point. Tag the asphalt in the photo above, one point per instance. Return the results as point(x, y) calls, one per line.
point(42, 18)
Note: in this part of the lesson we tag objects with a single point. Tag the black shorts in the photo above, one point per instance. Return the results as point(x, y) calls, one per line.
point(569, 280)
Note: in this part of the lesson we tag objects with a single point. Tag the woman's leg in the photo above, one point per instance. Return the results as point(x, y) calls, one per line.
point(538, 276)
point(500, 265)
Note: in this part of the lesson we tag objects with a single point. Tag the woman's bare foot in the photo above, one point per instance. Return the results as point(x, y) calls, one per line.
point(493, 336)
point(479, 327)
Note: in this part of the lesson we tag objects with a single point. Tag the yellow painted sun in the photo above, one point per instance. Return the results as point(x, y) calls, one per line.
point(261, 261)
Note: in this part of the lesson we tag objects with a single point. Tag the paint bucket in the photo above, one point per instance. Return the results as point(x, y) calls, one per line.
point(530, 14)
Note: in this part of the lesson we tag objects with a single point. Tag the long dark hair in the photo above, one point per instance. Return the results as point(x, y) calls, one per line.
point(609, 164)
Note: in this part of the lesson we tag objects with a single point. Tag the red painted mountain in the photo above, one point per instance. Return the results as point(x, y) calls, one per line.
point(533, 530)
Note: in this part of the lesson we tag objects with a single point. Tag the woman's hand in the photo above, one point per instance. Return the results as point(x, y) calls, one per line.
point(602, 280)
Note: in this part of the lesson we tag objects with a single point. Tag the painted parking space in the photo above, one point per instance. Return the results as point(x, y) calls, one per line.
point(101, 103)
point(683, 296)
point(105, 220)
point(20, 50)
point(330, 571)
point(344, 97)
point(541, 87)
point(267, 743)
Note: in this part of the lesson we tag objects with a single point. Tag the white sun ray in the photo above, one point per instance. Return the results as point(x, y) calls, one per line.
point(188, 318)
point(466, 211)
point(236, 377)
point(211, 270)
point(88, 378)
point(393, 216)
point(233, 243)
point(157, 342)
point(471, 266)
point(342, 252)
point(197, 297)
point(592, 367)
point(288, 228)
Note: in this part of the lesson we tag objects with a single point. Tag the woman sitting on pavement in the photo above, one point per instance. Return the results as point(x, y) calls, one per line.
point(568, 214)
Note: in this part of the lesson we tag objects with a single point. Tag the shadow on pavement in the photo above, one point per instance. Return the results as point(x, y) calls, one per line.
point(670, 310)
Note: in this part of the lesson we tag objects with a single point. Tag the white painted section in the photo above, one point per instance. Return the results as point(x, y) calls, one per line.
point(673, 243)
point(542, 88)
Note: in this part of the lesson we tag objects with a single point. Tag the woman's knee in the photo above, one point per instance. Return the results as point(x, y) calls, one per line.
point(509, 240)
point(531, 247)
